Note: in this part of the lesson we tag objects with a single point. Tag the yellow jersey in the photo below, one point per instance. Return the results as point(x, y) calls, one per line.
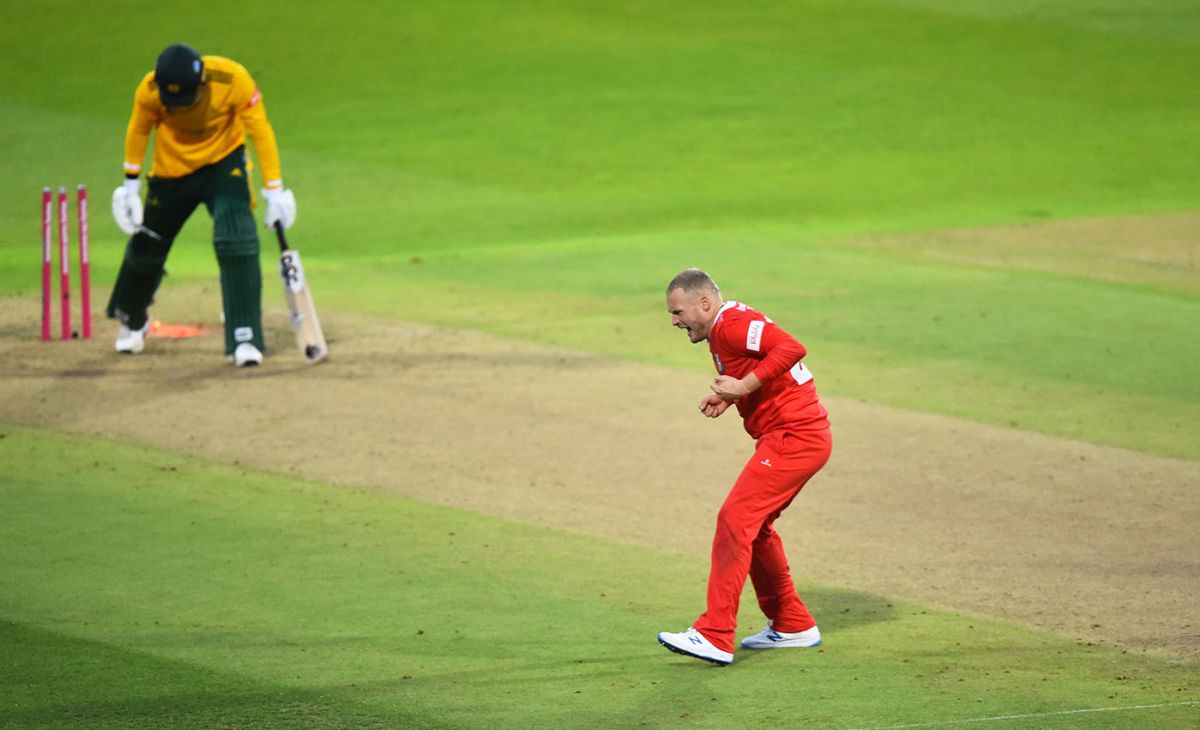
point(228, 105)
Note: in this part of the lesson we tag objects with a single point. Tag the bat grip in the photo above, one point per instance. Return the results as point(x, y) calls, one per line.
point(283, 244)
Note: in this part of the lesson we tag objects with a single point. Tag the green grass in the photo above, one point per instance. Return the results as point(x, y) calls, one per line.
point(567, 158)
point(539, 170)
point(142, 588)
point(1064, 355)
point(483, 123)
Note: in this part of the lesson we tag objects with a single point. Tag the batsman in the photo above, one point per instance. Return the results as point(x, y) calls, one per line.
point(200, 109)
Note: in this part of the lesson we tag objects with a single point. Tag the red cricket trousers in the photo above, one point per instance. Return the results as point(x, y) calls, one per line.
point(745, 543)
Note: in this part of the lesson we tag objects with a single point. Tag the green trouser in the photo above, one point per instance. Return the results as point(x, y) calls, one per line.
point(224, 189)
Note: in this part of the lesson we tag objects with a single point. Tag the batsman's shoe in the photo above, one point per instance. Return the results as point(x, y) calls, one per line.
point(692, 643)
point(247, 355)
point(131, 342)
point(769, 638)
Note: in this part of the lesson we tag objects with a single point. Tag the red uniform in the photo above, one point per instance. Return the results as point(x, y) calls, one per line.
point(791, 428)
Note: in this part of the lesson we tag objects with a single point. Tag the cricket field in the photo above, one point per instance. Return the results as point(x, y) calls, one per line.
point(982, 220)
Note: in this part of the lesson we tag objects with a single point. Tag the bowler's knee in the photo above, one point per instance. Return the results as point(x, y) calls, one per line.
point(735, 524)
point(765, 535)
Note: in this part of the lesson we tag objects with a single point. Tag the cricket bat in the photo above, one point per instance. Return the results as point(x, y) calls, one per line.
point(304, 315)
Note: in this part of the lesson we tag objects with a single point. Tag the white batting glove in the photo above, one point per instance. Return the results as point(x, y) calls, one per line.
point(127, 205)
point(281, 206)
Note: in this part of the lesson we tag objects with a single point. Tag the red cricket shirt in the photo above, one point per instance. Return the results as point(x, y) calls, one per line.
point(743, 340)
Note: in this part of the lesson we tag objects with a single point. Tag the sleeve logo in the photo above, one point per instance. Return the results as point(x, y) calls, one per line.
point(754, 335)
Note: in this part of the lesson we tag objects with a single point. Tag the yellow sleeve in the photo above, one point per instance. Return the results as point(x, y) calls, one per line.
point(254, 117)
point(143, 119)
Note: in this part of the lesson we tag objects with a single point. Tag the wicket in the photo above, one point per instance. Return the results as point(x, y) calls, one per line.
point(64, 256)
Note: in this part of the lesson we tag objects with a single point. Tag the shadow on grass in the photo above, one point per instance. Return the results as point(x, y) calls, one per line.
point(836, 610)
point(839, 609)
point(51, 680)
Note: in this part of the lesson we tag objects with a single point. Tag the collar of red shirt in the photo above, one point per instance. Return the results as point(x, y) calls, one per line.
point(727, 305)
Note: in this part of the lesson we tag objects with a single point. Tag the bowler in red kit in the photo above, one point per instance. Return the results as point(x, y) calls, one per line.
point(759, 369)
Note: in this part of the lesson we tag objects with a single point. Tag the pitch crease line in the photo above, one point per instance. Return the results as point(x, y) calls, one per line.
point(999, 718)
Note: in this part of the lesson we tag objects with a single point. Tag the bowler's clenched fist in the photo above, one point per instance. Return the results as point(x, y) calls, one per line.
point(729, 388)
point(712, 406)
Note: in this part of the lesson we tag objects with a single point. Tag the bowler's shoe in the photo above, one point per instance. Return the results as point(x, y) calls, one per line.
point(769, 638)
point(692, 643)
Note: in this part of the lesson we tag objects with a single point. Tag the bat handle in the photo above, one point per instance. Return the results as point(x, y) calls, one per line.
point(283, 244)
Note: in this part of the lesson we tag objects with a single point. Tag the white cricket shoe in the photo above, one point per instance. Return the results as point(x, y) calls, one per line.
point(769, 638)
point(692, 643)
point(247, 355)
point(131, 342)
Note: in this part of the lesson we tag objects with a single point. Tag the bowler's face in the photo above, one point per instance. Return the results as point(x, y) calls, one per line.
point(690, 312)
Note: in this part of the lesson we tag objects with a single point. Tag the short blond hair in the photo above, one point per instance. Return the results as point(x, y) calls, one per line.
point(693, 281)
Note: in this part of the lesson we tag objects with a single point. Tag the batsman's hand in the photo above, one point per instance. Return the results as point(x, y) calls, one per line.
point(281, 206)
point(712, 406)
point(127, 205)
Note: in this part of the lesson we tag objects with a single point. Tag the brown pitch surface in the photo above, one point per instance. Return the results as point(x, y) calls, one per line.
point(1092, 542)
